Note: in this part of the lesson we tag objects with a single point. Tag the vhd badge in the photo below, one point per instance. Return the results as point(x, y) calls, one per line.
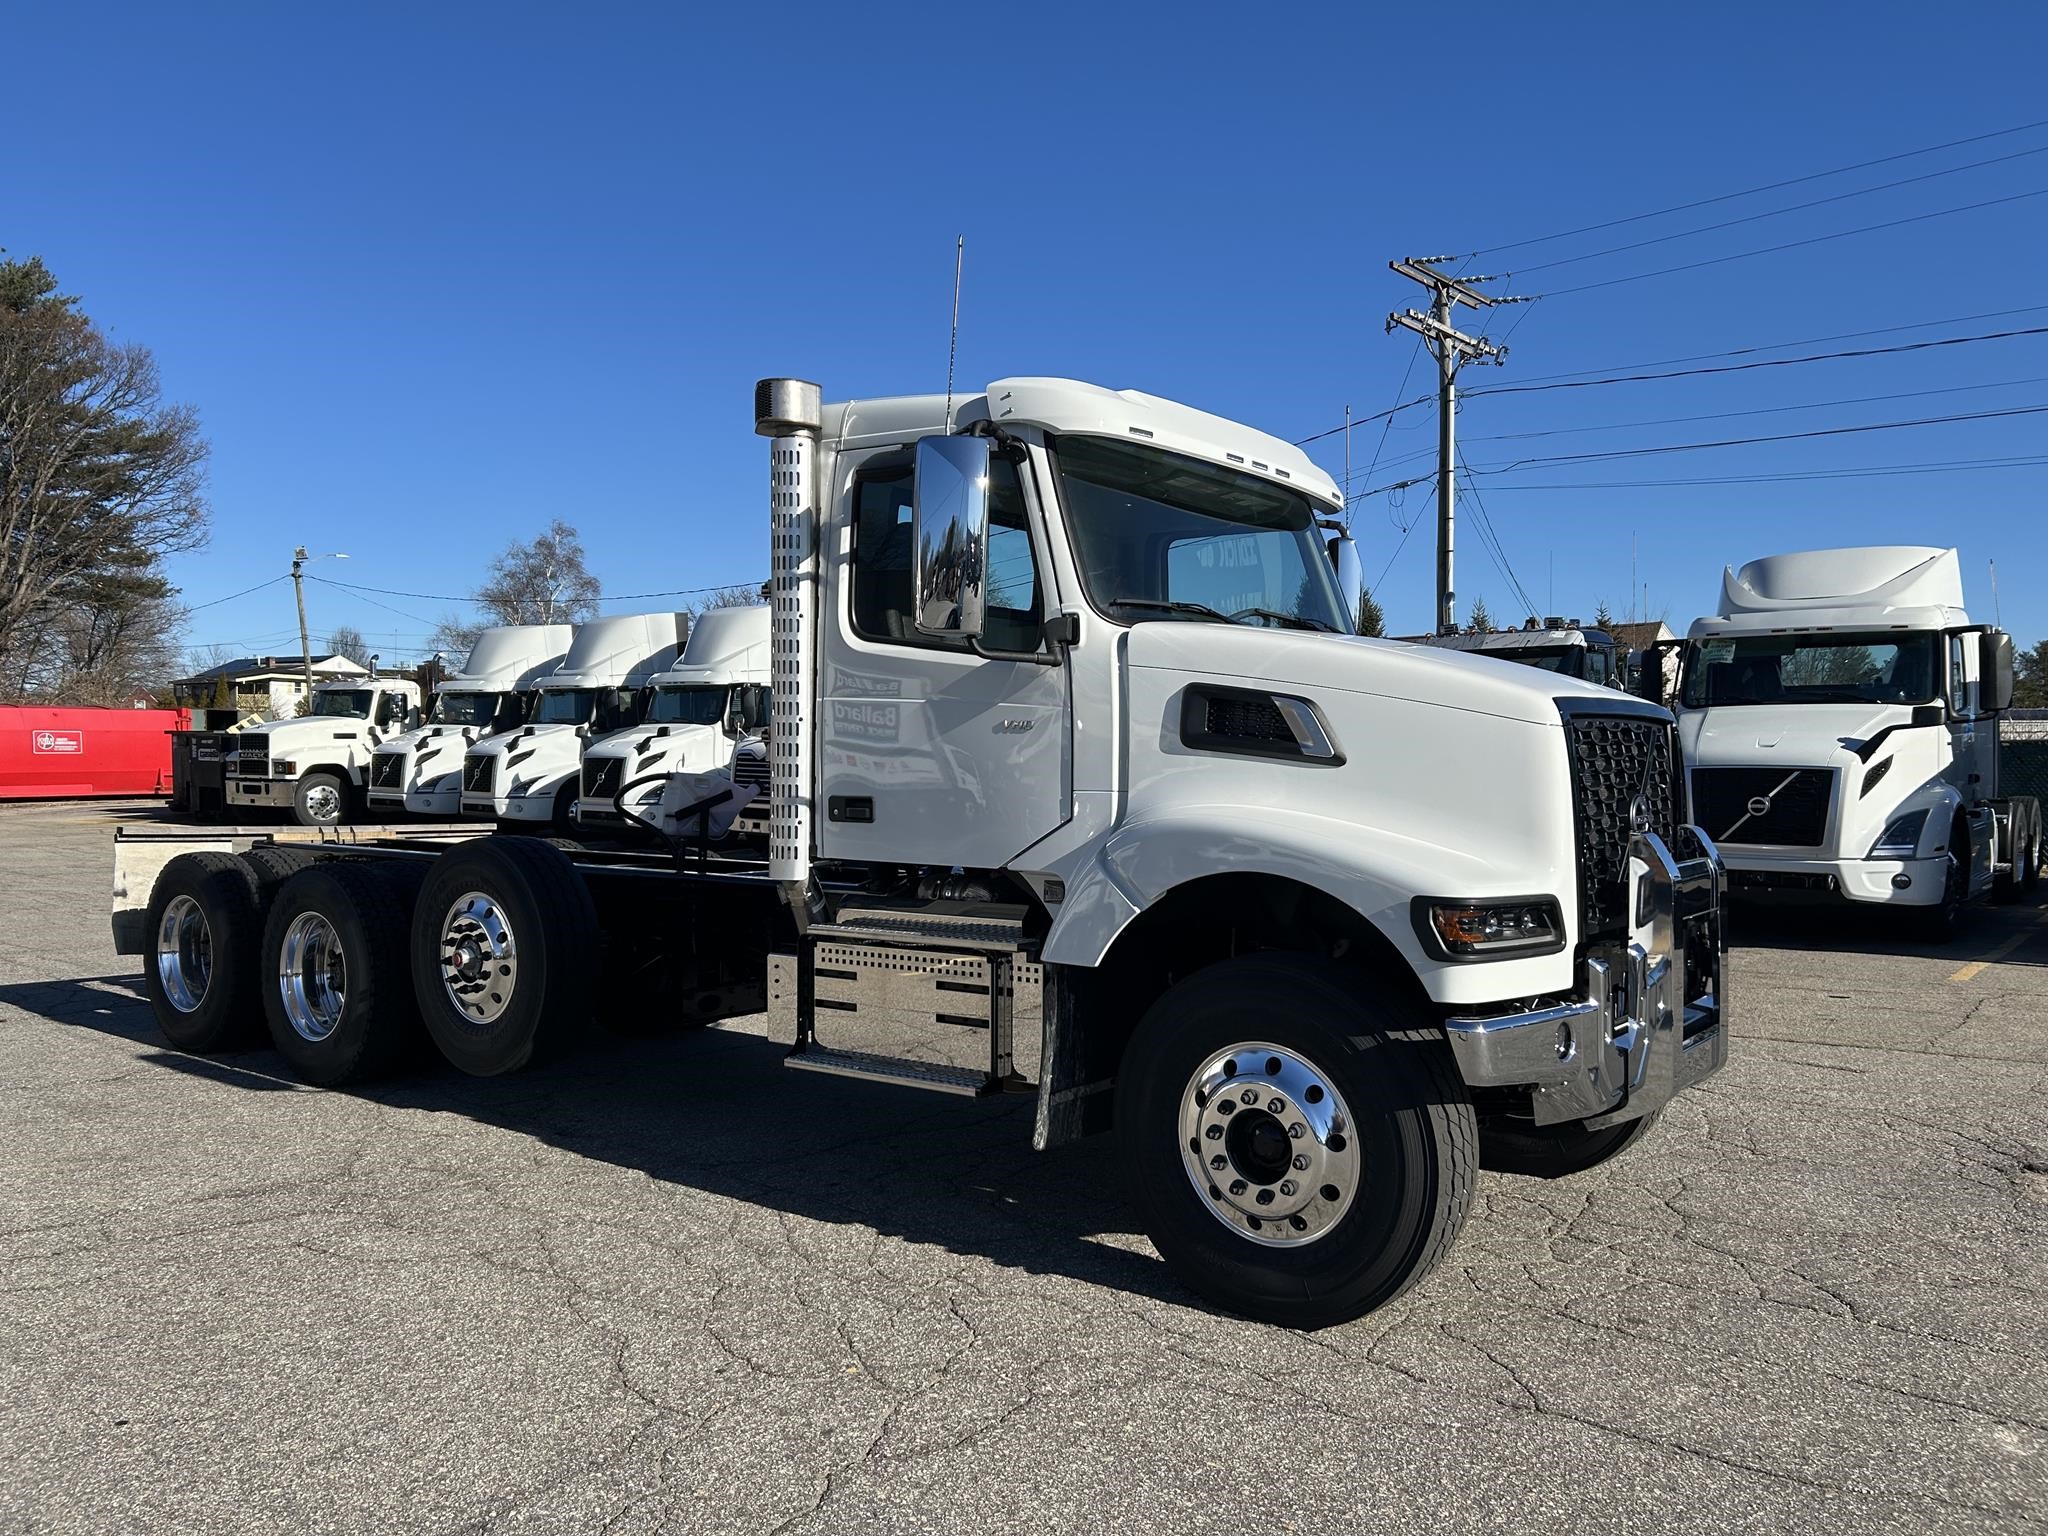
point(57, 743)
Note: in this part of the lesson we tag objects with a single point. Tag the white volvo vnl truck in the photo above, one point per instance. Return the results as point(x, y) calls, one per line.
point(697, 713)
point(420, 772)
point(529, 775)
point(1839, 716)
point(1080, 789)
point(317, 764)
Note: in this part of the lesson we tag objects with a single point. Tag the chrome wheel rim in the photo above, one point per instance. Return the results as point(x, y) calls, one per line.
point(479, 959)
point(184, 954)
point(312, 977)
point(1269, 1145)
point(323, 802)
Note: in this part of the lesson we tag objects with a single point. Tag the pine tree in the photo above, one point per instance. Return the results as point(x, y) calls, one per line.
point(1479, 619)
point(1371, 620)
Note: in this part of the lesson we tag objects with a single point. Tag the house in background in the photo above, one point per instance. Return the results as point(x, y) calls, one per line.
point(271, 687)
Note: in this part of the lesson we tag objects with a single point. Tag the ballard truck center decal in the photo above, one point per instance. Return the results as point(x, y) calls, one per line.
point(56, 743)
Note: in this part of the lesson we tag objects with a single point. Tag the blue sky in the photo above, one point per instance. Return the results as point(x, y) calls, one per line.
point(434, 275)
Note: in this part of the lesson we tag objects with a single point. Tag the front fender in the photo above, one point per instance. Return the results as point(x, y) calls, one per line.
point(1376, 873)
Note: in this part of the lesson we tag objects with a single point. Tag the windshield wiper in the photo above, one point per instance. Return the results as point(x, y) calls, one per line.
point(1291, 620)
point(1196, 610)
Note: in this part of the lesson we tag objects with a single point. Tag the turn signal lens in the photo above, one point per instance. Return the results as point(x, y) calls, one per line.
point(1480, 928)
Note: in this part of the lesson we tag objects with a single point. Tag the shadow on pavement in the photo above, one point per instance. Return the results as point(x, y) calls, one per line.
point(715, 1110)
point(1985, 926)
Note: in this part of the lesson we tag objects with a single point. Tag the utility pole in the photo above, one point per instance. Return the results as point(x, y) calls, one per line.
point(1451, 348)
point(299, 558)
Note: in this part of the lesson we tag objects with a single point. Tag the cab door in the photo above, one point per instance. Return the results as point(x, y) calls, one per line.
point(933, 751)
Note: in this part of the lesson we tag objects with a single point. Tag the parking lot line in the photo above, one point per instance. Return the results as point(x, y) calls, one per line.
point(1970, 971)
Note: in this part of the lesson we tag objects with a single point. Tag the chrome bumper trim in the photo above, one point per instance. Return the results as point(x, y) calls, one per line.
point(1652, 1019)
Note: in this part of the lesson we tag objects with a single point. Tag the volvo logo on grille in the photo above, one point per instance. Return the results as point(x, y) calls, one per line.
point(1639, 816)
point(1759, 805)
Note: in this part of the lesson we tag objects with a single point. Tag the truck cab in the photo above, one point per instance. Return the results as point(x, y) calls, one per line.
point(529, 774)
point(420, 772)
point(1563, 646)
point(1839, 715)
point(317, 765)
point(697, 713)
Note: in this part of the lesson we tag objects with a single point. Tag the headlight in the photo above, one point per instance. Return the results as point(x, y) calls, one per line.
point(1900, 840)
point(1489, 930)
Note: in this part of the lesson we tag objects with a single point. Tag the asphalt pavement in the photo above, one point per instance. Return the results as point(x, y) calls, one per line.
point(666, 1285)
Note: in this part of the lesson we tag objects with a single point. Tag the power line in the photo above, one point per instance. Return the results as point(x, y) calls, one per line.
point(1775, 186)
point(1793, 245)
point(1490, 536)
point(1780, 346)
point(1773, 213)
point(1770, 362)
point(1853, 472)
point(217, 601)
point(623, 597)
point(1761, 410)
point(1779, 437)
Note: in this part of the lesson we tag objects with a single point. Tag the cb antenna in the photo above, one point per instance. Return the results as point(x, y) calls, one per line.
point(953, 343)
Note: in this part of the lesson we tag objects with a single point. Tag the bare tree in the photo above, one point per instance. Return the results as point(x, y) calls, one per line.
point(116, 638)
point(545, 582)
point(455, 634)
point(99, 479)
point(723, 597)
point(348, 641)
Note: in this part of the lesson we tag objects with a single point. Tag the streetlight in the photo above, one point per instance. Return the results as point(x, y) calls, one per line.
point(299, 559)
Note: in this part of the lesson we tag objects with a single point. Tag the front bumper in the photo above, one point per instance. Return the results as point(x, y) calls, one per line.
point(266, 792)
point(510, 807)
point(1651, 1019)
point(1872, 880)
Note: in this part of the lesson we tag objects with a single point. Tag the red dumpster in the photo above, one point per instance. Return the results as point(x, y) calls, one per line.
point(56, 754)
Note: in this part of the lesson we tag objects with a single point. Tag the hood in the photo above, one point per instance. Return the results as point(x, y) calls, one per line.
point(1391, 669)
point(674, 747)
point(304, 729)
point(1761, 734)
point(528, 739)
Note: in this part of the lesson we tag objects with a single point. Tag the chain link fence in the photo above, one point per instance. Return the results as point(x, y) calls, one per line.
point(2023, 753)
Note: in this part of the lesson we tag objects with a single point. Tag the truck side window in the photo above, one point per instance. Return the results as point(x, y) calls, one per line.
point(1958, 677)
point(390, 711)
point(882, 560)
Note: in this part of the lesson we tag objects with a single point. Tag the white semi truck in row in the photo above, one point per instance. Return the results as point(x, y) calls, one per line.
point(317, 765)
point(420, 772)
point(696, 715)
point(1081, 788)
point(1563, 646)
point(1840, 720)
point(529, 774)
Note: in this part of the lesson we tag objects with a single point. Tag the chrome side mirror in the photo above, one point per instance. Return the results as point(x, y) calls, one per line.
point(1350, 573)
point(949, 528)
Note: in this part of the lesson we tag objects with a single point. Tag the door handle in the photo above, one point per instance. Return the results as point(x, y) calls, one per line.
point(849, 808)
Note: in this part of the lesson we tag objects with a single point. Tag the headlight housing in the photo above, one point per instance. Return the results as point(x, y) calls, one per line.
point(1493, 929)
point(1901, 837)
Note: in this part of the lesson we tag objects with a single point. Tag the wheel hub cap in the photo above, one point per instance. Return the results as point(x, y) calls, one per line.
point(184, 954)
point(1269, 1144)
point(479, 961)
point(312, 976)
point(323, 803)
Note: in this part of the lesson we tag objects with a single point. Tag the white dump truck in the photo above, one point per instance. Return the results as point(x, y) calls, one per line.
point(528, 775)
point(420, 772)
point(699, 710)
point(1563, 646)
point(317, 765)
point(1082, 789)
point(1839, 715)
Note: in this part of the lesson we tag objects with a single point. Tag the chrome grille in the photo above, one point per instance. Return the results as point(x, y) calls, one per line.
point(1617, 762)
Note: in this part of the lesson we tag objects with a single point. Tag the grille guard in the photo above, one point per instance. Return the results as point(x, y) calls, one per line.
point(1650, 1021)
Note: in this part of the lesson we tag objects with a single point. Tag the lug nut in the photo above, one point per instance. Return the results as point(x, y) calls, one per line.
point(1237, 1186)
point(1265, 1197)
point(1277, 1107)
point(1219, 1162)
point(1287, 1188)
point(1250, 1095)
point(1297, 1130)
point(1301, 1162)
point(1214, 1133)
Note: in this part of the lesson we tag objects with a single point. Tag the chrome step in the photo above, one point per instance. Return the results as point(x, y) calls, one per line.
point(889, 1069)
point(979, 925)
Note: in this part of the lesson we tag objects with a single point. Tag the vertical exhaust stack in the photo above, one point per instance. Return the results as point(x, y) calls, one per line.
point(790, 412)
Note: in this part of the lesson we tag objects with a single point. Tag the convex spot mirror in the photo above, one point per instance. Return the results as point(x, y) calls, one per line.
point(949, 528)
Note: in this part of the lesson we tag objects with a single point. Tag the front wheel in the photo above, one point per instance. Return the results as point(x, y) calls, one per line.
point(1938, 924)
point(1297, 1139)
point(319, 799)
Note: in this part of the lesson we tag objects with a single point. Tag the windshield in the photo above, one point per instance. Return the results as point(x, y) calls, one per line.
point(464, 709)
point(565, 706)
point(1163, 536)
point(682, 705)
point(1810, 669)
point(342, 704)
